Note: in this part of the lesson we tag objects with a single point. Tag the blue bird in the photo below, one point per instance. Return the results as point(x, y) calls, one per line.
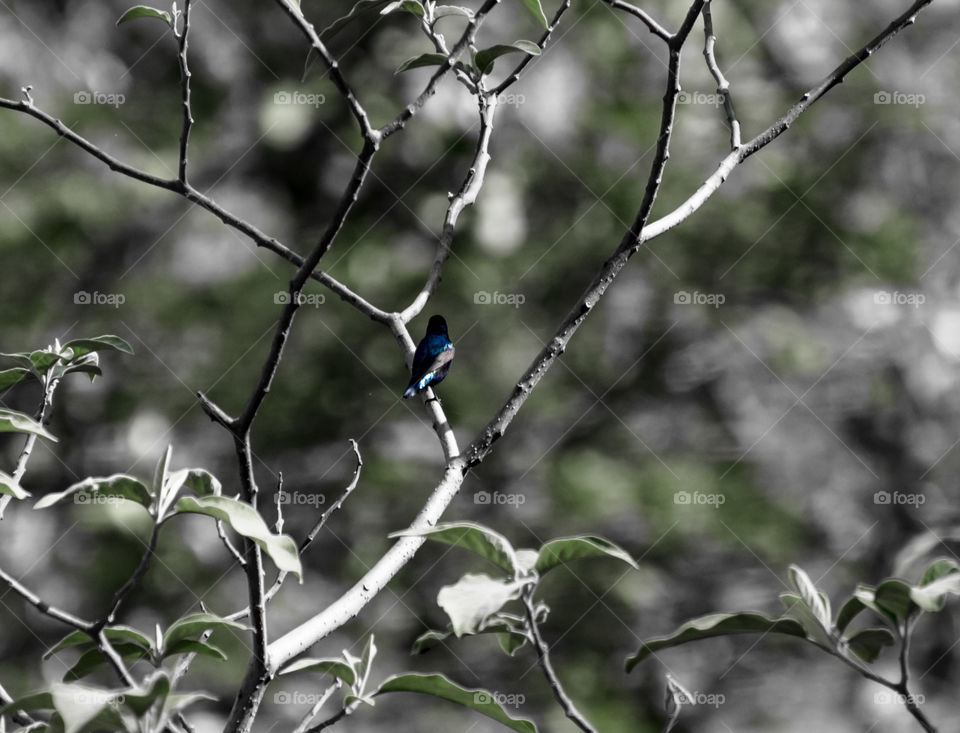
point(431, 362)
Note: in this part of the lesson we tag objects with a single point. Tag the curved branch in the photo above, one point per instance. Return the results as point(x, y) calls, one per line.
point(543, 657)
point(370, 135)
point(723, 86)
point(466, 196)
point(655, 28)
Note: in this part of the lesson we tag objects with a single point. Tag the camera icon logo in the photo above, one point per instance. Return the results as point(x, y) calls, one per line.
point(282, 98)
point(82, 98)
point(281, 297)
point(82, 297)
point(481, 497)
point(681, 497)
point(281, 698)
point(882, 98)
point(482, 297)
point(881, 497)
point(482, 698)
point(682, 297)
point(683, 97)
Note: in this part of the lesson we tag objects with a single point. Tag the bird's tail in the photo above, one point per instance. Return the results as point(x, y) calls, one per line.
point(411, 391)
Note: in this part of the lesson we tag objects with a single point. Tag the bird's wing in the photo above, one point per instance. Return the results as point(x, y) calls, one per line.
point(444, 357)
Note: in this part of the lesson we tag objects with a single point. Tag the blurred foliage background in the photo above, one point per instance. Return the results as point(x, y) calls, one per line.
point(798, 399)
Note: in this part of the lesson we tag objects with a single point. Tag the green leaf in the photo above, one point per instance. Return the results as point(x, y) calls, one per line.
point(893, 596)
point(93, 658)
point(10, 377)
point(563, 550)
point(202, 482)
point(939, 568)
point(536, 10)
point(144, 11)
point(409, 6)
point(194, 646)
point(474, 598)
point(335, 667)
point(79, 705)
point(796, 608)
point(43, 359)
point(141, 698)
point(868, 644)
point(816, 601)
point(118, 486)
point(442, 11)
point(115, 634)
point(355, 12)
point(437, 685)
point(101, 343)
point(717, 624)
point(428, 639)
point(471, 536)
point(848, 612)
point(161, 470)
point(195, 625)
point(485, 58)
point(246, 521)
point(10, 486)
point(511, 641)
point(932, 596)
point(12, 421)
point(424, 59)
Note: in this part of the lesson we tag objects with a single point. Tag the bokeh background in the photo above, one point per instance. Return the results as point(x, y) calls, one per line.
point(829, 372)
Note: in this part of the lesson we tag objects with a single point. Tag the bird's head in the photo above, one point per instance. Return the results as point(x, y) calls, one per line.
point(436, 325)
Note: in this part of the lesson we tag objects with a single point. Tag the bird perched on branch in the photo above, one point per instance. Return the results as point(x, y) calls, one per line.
point(431, 362)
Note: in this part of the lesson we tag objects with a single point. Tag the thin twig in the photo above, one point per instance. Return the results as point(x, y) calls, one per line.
point(543, 657)
point(315, 709)
point(542, 44)
point(182, 42)
point(45, 608)
point(191, 194)
point(43, 415)
point(132, 581)
point(231, 548)
point(723, 86)
point(469, 34)
point(370, 135)
point(311, 535)
point(655, 28)
point(467, 195)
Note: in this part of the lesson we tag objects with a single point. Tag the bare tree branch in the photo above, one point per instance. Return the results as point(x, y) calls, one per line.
point(543, 657)
point(655, 28)
point(370, 135)
point(182, 42)
point(723, 86)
